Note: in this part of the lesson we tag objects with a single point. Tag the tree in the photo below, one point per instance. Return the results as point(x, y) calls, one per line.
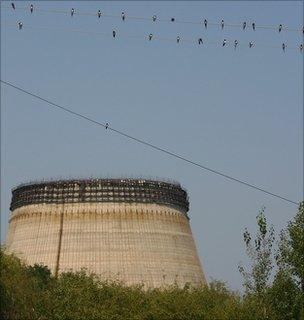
point(290, 260)
point(41, 273)
point(291, 248)
point(283, 299)
point(284, 296)
point(260, 253)
point(19, 292)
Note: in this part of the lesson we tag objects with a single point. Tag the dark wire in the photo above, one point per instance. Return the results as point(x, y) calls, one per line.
point(239, 25)
point(229, 42)
point(106, 126)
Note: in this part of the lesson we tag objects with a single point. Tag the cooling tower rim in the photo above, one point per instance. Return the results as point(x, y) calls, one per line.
point(91, 179)
point(100, 191)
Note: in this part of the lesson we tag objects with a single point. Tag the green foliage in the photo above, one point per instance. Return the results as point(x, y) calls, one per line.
point(32, 293)
point(284, 297)
point(290, 260)
point(22, 296)
point(42, 273)
point(260, 254)
point(291, 249)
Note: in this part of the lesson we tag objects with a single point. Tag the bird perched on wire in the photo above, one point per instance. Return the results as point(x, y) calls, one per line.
point(280, 28)
point(250, 44)
point(31, 8)
point(20, 25)
point(235, 43)
point(224, 42)
point(123, 16)
point(205, 23)
point(253, 25)
point(107, 125)
point(99, 13)
point(200, 41)
point(72, 12)
point(178, 39)
point(244, 25)
point(301, 47)
point(13, 5)
point(154, 18)
point(150, 36)
point(283, 46)
point(222, 24)
point(114, 33)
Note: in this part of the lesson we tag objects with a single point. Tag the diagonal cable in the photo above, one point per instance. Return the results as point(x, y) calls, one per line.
point(148, 144)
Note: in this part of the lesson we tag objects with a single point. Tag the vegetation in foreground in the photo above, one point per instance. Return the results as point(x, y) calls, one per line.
point(274, 288)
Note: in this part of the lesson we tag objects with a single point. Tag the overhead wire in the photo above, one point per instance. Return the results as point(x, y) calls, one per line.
point(228, 42)
point(148, 144)
point(171, 20)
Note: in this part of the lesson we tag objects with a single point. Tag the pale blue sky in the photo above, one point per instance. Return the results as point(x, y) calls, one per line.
point(235, 111)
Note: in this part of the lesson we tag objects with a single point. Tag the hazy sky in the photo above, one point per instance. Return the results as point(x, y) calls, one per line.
point(237, 111)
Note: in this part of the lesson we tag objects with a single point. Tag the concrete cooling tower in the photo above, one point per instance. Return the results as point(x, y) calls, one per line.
point(135, 231)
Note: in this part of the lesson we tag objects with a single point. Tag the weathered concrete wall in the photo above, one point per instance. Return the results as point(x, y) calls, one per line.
point(135, 243)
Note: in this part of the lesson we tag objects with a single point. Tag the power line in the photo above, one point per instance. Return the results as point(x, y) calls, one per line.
point(178, 39)
point(155, 18)
point(148, 144)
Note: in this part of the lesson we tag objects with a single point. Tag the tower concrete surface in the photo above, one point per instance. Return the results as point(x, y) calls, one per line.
point(132, 230)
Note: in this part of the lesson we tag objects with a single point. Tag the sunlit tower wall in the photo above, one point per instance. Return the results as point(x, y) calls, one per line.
point(131, 230)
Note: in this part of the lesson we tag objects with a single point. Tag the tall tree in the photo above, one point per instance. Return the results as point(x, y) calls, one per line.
point(260, 254)
point(291, 247)
point(290, 260)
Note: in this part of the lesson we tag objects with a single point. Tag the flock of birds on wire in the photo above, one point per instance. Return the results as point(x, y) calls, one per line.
point(178, 39)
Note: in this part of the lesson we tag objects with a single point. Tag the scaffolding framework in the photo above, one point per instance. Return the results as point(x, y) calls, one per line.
point(101, 190)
